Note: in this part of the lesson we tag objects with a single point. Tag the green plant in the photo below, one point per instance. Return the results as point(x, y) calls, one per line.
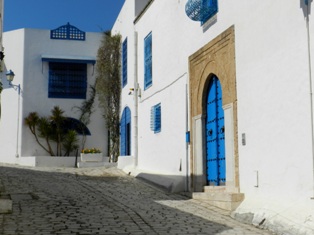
point(52, 129)
point(86, 110)
point(108, 87)
point(70, 142)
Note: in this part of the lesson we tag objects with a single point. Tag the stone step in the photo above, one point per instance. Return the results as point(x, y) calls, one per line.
point(208, 189)
point(222, 199)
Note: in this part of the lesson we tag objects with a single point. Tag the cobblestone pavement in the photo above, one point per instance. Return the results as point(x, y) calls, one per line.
point(103, 201)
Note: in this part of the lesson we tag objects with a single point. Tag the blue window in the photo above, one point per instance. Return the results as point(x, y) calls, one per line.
point(148, 71)
point(67, 80)
point(67, 32)
point(125, 62)
point(155, 120)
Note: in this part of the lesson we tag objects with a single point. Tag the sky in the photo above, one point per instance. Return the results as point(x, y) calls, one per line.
point(87, 15)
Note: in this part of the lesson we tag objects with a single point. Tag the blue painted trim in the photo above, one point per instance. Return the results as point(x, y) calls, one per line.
point(187, 137)
point(77, 61)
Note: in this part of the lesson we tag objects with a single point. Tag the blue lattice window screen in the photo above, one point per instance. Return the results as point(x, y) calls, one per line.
point(201, 10)
point(67, 80)
point(67, 32)
point(210, 9)
point(125, 62)
point(148, 61)
point(155, 121)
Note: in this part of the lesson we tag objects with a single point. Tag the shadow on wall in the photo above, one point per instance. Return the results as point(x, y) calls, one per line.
point(111, 198)
point(306, 7)
point(169, 183)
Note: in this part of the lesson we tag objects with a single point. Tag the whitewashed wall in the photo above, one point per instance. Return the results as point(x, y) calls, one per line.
point(24, 50)
point(125, 28)
point(272, 74)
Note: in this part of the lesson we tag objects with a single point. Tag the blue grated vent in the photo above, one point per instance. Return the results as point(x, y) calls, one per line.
point(67, 32)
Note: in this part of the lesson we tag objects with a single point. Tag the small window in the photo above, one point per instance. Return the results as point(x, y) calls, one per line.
point(67, 80)
point(125, 62)
point(148, 71)
point(155, 121)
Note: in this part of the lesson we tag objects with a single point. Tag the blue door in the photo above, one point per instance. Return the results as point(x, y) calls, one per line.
point(215, 135)
point(125, 133)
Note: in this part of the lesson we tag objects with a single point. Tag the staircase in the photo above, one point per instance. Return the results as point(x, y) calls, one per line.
point(220, 197)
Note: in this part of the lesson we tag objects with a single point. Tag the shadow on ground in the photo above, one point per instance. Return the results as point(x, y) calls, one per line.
point(74, 201)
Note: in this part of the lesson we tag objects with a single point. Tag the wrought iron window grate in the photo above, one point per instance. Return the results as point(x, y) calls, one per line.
point(67, 80)
point(67, 32)
point(201, 10)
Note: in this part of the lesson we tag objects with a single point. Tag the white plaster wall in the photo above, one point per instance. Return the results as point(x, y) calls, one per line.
point(272, 75)
point(10, 145)
point(32, 74)
point(124, 26)
point(273, 102)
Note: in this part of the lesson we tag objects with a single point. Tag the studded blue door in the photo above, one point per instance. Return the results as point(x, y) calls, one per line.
point(215, 136)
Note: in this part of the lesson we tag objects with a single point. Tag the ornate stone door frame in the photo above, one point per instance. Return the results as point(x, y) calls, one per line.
point(215, 58)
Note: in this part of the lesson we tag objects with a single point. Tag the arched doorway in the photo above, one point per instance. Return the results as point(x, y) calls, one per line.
point(215, 135)
point(125, 133)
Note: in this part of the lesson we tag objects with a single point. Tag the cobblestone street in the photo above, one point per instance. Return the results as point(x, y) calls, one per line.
point(103, 201)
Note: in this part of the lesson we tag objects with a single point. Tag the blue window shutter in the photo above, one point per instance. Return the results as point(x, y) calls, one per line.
point(125, 62)
point(157, 118)
point(125, 139)
point(148, 61)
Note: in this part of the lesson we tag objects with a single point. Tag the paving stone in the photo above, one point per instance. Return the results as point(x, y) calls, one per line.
point(104, 201)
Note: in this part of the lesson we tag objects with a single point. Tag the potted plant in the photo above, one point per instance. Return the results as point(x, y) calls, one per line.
point(91, 155)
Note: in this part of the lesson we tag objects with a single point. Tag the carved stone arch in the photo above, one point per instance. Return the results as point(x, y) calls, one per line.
point(215, 58)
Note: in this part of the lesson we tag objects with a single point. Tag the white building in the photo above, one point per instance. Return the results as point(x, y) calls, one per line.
point(238, 86)
point(36, 56)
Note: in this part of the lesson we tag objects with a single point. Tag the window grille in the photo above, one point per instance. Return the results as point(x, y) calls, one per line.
point(125, 62)
point(201, 10)
point(67, 32)
point(148, 61)
point(67, 80)
point(155, 120)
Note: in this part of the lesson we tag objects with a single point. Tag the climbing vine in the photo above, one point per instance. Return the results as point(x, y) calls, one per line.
point(108, 87)
point(86, 110)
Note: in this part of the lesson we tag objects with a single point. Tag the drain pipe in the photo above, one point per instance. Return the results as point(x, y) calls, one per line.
point(136, 95)
point(307, 3)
